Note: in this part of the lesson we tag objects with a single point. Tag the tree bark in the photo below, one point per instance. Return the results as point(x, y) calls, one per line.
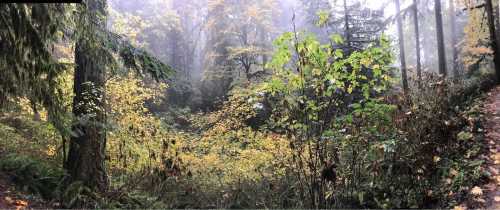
point(417, 40)
point(86, 158)
point(440, 38)
point(493, 37)
point(402, 58)
point(453, 25)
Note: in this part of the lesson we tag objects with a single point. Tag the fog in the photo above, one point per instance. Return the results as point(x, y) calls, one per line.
point(189, 35)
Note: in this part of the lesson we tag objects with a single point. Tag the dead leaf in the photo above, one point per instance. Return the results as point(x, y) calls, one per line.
point(461, 207)
point(497, 198)
point(21, 203)
point(476, 191)
point(493, 170)
point(8, 200)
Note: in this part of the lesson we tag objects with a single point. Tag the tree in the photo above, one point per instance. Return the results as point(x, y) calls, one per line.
point(493, 38)
point(312, 8)
point(359, 25)
point(172, 31)
point(252, 25)
point(93, 57)
point(401, 47)
point(86, 157)
point(309, 98)
point(28, 67)
point(218, 74)
point(417, 40)
point(453, 28)
point(440, 38)
point(347, 28)
point(475, 47)
point(234, 48)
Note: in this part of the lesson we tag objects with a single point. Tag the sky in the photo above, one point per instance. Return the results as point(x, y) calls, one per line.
point(389, 9)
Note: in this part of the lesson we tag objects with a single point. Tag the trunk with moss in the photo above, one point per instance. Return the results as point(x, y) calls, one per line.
point(86, 157)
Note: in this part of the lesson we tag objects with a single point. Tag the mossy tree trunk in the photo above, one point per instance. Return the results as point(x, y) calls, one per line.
point(86, 157)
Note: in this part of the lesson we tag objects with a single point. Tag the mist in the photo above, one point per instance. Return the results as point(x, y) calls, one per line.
point(250, 104)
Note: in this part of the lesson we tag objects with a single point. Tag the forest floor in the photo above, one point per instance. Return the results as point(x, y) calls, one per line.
point(10, 198)
point(492, 126)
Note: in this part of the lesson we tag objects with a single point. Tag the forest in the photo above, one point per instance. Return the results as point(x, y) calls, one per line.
point(250, 104)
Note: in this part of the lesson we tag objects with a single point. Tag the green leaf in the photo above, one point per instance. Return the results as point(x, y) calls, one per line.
point(337, 39)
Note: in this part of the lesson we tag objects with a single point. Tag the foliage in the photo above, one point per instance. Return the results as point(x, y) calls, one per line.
point(135, 132)
point(29, 69)
point(323, 128)
point(237, 45)
point(476, 41)
point(21, 135)
point(311, 92)
point(221, 166)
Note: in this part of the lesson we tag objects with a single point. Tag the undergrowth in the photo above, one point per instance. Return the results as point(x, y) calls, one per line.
point(33, 175)
point(430, 157)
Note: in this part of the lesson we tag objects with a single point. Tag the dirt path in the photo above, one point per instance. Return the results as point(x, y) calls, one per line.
point(492, 126)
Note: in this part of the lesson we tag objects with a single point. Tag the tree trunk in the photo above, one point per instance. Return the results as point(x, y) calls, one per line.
point(497, 29)
point(493, 37)
point(440, 38)
point(347, 30)
point(453, 25)
point(263, 41)
point(86, 158)
point(417, 40)
point(401, 47)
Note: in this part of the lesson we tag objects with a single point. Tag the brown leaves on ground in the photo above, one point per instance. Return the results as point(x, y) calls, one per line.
point(11, 199)
point(492, 128)
point(488, 195)
point(18, 204)
point(477, 191)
